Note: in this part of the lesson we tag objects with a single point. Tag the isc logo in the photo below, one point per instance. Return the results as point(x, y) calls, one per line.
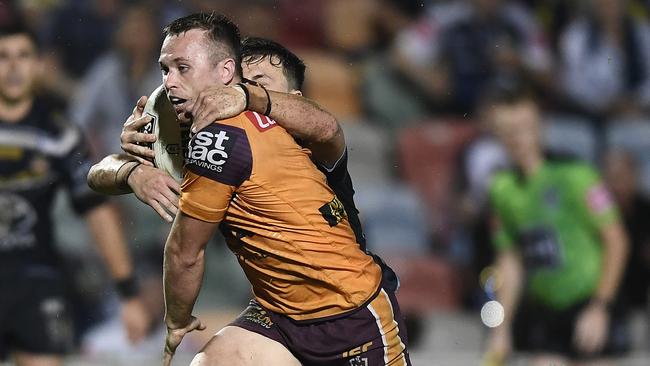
point(209, 147)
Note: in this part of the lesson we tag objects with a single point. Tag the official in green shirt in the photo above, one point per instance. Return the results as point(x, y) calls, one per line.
point(560, 244)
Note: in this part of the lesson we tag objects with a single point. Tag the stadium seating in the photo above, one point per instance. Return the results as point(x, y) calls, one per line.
point(427, 156)
point(570, 135)
point(333, 82)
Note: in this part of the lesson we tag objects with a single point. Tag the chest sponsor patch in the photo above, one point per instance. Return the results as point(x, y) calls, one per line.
point(221, 153)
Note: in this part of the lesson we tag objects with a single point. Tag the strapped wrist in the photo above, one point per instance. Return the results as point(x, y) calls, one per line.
point(259, 99)
point(123, 174)
point(244, 89)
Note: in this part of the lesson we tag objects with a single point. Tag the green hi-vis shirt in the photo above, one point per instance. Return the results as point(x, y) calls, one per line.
point(553, 219)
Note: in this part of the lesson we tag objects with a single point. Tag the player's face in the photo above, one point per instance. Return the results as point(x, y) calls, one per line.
point(18, 67)
point(189, 66)
point(517, 126)
point(269, 73)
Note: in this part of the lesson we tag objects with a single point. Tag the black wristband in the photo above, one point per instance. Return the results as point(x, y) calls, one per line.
point(127, 288)
point(268, 103)
point(128, 174)
point(124, 184)
point(246, 93)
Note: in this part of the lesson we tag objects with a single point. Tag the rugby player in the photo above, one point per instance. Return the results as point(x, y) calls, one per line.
point(283, 261)
point(41, 152)
point(560, 246)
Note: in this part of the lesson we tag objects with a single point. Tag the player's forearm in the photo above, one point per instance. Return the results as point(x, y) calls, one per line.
point(614, 259)
point(184, 264)
point(509, 276)
point(182, 281)
point(109, 176)
point(304, 120)
point(110, 240)
point(301, 117)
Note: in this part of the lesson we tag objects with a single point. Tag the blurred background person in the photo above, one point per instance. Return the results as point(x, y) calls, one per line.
point(605, 60)
point(561, 246)
point(621, 176)
point(75, 33)
point(127, 71)
point(459, 47)
point(41, 153)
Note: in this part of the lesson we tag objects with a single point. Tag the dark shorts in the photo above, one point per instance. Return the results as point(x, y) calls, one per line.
point(34, 317)
point(538, 329)
point(370, 336)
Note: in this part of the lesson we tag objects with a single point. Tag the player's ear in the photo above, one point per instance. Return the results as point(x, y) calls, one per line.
point(227, 70)
point(296, 92)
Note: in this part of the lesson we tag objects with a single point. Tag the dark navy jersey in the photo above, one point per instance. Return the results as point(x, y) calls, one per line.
point(340, 181)
point(38, 155)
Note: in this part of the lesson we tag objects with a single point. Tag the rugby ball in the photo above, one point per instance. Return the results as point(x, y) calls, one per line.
point(173, 137)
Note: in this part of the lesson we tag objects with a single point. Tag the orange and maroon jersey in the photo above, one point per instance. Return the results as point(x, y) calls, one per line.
point(287, 228)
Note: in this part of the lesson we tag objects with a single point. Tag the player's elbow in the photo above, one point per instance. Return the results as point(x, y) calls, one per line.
point(329, 131)
point(91, 177)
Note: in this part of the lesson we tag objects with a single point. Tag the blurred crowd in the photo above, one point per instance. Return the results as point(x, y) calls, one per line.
point(406, 78)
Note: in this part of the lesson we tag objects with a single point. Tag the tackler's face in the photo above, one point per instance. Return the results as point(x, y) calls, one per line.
point(19, 67)
point(268, 72)
point(189, 66)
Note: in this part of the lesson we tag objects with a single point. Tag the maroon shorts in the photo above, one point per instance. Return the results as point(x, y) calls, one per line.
point(373, 335)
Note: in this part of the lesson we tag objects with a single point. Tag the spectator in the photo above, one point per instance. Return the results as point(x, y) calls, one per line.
point(461, 47)
point(605, 60)
point(621, 177)
point(74, 37)
point(561, 248)
point(81, 31)
point(118, 78)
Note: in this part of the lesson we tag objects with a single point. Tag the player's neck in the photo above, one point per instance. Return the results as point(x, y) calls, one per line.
point(15, 111)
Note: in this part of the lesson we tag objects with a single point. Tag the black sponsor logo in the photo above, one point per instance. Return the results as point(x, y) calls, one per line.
point(148, 128)
point(333, 212)
point(183, 147)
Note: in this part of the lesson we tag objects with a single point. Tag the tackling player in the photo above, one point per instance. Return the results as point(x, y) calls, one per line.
point(41, 152)
point(287, 322)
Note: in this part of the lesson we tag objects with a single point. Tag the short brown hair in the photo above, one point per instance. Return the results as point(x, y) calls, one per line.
point(221, 30)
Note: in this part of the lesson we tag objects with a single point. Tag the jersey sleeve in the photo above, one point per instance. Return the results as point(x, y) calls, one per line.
point(502, 237)
point(338, 172)
point(74, 166)
point(593, 197)
point(219, 160)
